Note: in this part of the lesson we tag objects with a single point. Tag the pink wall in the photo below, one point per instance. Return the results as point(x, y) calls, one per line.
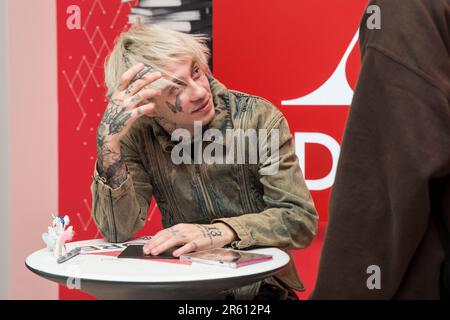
point(33, 139)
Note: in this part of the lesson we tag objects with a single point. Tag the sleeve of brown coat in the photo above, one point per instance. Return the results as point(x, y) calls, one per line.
point(290, 218)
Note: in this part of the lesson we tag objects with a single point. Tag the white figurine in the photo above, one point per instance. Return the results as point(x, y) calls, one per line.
point(57, 235)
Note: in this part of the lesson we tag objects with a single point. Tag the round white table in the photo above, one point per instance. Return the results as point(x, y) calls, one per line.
point(108, 277)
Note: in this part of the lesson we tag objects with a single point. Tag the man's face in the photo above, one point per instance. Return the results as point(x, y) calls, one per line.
point(191, 102)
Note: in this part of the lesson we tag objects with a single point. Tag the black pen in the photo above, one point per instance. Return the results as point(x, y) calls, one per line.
point(72, 253)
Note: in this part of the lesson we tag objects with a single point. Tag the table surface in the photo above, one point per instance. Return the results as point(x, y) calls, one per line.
point(97, 266)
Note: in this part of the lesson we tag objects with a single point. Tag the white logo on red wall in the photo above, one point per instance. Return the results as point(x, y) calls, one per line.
point(335, 91)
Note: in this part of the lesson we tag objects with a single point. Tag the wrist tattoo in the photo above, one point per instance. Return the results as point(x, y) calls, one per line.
point(210, 232)
point(214, 232)
point(111, 164)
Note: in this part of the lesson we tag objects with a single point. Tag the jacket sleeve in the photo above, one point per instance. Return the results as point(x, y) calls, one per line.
point(119, 213)
point(290, 218)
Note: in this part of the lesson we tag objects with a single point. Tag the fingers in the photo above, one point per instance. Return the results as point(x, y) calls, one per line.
point(142, 82)
point(186, 235)
point(128, 75)
point(188, 247)
point(148, 109)
point(143, 96)
point(166, 239)
point(141, 73)
point(158, 239)
point(172, 242)
point(154, 245)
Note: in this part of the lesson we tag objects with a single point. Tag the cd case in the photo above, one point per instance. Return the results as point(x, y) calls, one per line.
point(137, 252)
point(225, 257)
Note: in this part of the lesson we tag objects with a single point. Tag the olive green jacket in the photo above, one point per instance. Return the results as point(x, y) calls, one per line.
point(264, 210)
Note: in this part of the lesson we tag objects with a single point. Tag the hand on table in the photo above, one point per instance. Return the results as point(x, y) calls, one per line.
point(192, 237)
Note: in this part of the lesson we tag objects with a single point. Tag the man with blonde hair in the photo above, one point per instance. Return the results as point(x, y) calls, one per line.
point(159, 83)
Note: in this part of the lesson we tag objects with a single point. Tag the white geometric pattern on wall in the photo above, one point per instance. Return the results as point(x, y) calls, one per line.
point(84, 76)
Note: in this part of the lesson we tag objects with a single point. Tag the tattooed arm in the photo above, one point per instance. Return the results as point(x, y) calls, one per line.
point(129, 101)
point(110, 163)
point(121, 191)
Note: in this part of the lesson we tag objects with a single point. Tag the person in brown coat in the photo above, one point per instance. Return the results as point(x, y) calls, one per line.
point(393, 176)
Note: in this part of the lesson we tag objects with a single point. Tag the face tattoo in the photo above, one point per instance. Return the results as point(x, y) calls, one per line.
point(175, 108)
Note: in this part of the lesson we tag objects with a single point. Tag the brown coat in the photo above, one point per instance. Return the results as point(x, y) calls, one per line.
point(395, 160)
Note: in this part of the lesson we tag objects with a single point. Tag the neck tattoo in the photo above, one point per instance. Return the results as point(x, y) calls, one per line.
point(168, 125)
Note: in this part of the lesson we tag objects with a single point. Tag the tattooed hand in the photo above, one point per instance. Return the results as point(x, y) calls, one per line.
point(193, 237)
point(129, 101)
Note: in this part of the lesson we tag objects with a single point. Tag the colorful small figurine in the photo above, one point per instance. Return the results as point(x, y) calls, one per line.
point(57, 235)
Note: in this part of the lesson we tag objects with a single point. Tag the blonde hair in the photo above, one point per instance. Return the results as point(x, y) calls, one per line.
point(156, 47)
